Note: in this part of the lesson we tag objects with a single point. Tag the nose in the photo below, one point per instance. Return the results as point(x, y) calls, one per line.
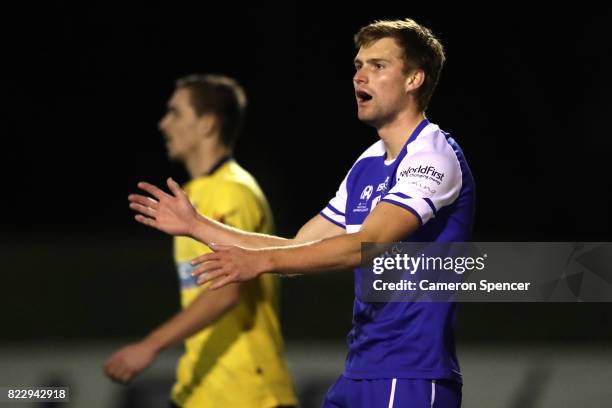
point(360, 77)
point(161, 125)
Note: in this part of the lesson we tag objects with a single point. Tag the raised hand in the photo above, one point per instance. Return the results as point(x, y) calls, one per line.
point(170, 213)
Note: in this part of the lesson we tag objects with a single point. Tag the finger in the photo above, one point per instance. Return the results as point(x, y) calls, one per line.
point(175, 188)
point(111, 376)
point(107, 369)
point(143, 209)
point(210, 256)
point(118, 378)
point(153, 190)
point(210, 276)
point(120, 370)
point(207, 267)
point(146, 201)
point(108, 364)
point(113, 371)
point(126, 376)
point(111, 362)
point(224, 282)
point(145, 220)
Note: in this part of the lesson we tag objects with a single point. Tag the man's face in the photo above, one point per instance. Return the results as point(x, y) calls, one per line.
point(379, 82)
point(180, 125)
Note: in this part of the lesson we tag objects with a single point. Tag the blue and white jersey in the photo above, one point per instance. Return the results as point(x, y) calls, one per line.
point(431, 179)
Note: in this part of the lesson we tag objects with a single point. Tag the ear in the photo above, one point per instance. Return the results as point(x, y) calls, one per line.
point(414, 80)
point(207, 124)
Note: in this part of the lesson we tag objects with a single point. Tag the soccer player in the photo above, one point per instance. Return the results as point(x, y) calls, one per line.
point(414, 184)
point(233, 343)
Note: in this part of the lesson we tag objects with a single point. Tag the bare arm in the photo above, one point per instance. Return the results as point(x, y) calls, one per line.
point(206, 308)
point(386, 223)
point(175, 215)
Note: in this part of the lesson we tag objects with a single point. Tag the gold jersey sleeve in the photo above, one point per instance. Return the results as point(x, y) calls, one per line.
point(238, 361)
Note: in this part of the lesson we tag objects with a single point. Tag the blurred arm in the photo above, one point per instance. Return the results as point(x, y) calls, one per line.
point(207, 307)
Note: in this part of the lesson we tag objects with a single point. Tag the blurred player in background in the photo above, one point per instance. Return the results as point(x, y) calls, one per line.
point(234, 351)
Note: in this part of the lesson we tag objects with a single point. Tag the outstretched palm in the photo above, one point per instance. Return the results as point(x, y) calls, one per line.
point(170, 213)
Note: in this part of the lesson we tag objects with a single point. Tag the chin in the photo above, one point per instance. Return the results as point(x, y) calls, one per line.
point(367, 119)
point(173, 156)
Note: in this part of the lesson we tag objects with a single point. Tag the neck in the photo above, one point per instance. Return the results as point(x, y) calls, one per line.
point(395, 133)
point(204, 157)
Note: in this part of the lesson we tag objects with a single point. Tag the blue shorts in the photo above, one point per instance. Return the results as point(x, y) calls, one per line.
point(393, 392)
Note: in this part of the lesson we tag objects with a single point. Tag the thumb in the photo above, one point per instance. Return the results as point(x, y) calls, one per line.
point(174, 187)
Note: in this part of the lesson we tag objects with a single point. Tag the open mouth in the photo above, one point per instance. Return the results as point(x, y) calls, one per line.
point(363, 96)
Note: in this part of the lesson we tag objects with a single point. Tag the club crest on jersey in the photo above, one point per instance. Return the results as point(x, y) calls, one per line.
point(362, 205)
point(367, 193)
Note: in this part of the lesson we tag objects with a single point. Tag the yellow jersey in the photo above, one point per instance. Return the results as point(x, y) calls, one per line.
point(238, 361)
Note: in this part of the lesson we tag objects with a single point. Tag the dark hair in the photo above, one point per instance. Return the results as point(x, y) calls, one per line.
point(221, 96)
point(422, 50)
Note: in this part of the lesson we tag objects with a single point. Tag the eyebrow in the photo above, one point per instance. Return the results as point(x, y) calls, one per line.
point(370, 60)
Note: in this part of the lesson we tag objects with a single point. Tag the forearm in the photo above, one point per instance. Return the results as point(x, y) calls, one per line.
point(340, 252)
point(321, 250)
point(207, 308)
point(207, 230)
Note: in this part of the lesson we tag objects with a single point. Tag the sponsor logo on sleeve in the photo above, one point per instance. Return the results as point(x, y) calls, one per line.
point(424, 189)
point(422, 172)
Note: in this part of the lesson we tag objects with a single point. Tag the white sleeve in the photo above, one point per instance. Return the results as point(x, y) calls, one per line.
point(426, 181)
point(336, 208)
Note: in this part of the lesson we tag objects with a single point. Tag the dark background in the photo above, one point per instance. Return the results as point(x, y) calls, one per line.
point(525, 92)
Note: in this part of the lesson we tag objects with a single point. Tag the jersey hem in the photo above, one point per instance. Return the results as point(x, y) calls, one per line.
point(405, 207)
point(332, 221)
point(434, 374)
